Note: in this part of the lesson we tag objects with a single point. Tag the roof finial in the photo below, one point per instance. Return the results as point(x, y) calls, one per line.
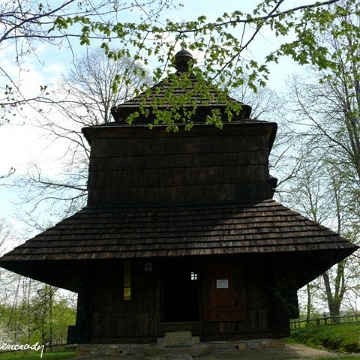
point(183, 60)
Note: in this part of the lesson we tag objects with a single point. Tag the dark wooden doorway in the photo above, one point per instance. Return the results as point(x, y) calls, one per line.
point(181, 300)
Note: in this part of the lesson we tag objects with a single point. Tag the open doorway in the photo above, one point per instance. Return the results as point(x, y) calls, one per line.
point(181, 301)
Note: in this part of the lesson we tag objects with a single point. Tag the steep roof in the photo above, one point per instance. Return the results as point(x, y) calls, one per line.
point(185, 89)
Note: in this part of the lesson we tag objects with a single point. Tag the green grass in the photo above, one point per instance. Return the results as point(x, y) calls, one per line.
point(344, 338)
point(66, 355)
point(345, 357)
point(35, 355)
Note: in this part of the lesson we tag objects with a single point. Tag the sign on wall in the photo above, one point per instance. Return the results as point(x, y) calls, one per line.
point(222, 284)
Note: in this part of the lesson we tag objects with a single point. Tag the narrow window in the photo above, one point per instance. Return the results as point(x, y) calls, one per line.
point(193, 276)
point(127, 280)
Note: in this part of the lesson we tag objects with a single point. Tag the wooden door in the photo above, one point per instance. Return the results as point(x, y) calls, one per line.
point(224, 291)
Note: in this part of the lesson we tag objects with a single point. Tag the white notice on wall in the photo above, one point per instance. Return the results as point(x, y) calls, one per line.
point(222, 284)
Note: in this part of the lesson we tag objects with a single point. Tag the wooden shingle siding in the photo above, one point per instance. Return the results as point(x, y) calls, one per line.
point(176, 176)
point(182, 145)
point(118, 162)
point(150, 167)
point(195, 194)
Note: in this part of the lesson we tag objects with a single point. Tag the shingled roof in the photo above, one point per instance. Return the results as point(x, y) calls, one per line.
point(95, 234)
point(112, 233)
point(184, 88)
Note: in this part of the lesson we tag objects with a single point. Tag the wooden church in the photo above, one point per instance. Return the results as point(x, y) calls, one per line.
point(180, 232)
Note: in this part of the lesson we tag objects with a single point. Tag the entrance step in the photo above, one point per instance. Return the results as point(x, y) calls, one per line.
point(178, 338)
point(179, 345)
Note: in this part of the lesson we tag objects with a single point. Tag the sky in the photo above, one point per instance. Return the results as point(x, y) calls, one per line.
point(23, 143)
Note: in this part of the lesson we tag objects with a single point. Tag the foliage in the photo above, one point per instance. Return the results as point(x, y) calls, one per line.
point(148, 37)
point(35, 355)
point(224, 42)
point(342, 337)
point(323, 127)
point(35, 313)
point(31, 311)
point(27, 25)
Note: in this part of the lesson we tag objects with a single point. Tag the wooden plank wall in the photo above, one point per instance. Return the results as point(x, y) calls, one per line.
point(111, 315)
point(176, 169)
point(241, 311)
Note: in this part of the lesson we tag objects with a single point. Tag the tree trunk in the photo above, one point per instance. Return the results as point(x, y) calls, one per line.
point(308, 304)
point(334, 301)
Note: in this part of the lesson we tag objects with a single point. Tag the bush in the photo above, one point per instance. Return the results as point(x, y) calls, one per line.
point(341, 338)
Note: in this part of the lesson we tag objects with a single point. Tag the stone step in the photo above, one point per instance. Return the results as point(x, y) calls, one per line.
point(188, 352)
point(179, 338)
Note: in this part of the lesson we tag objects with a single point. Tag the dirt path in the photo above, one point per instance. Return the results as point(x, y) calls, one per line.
point(290, 352)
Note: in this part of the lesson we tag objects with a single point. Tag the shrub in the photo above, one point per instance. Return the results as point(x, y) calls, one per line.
point(341, 338)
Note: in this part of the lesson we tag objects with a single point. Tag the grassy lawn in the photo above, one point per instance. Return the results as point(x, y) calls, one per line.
point(65, 355)
point(35, 355)
point(345, 357)
point(343, 338)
